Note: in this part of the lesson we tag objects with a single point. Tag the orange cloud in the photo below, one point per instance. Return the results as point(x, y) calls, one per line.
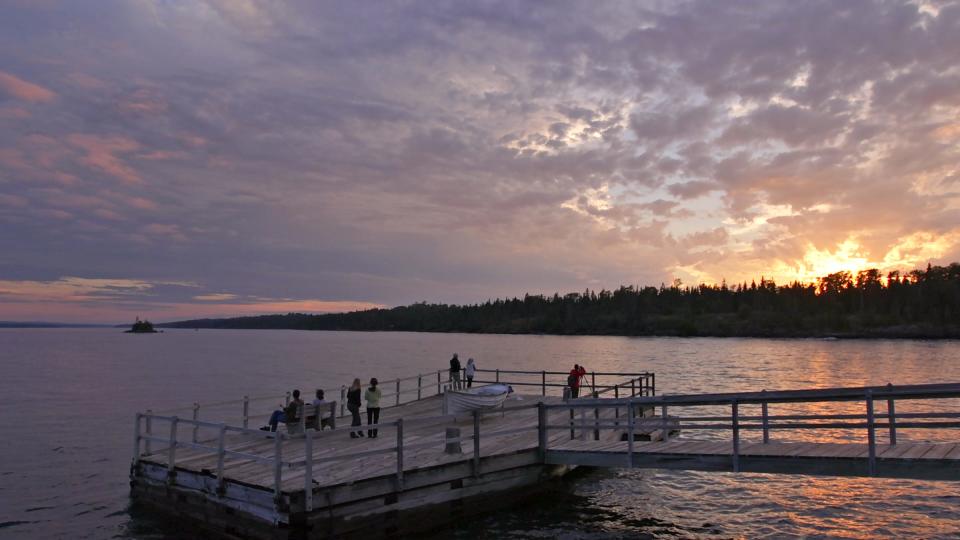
point(101, 154)
point(23, 90)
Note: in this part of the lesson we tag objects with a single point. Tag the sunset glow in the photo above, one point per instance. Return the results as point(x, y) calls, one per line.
point(218, 157)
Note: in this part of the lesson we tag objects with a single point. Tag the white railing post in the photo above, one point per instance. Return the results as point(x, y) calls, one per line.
point(630, 432)
point(542, 430)
point(148, 431)
point(476, 443)
point(399, 454)
point(246, 412)
point(172, 451)
point(277, 467)
point(136, 440)
point(871, 436)
point(221, 453)
point(892, 417)
point(735, 417)
point(308, 473)
point(196, 417)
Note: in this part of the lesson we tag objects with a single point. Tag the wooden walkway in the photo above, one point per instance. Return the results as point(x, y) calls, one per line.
point(918, 460)
point(224, 476)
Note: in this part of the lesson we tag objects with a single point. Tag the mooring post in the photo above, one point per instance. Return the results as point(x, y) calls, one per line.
point(136, 439)
point(196, 418)
point(308, 473)
point(476, 443)
point(735, 416)
point(871, 436)
point(148, 431)
point(630, 431)
point(246, 412)
point(543, 384)
point(398, 392)
point(892, 417)
point(542, 430)
point(277, 468)
point(221, 453)
point(419, 385)
point(399, 454)
point(172, 451)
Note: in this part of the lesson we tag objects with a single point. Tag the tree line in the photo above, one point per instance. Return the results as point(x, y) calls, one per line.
point(921, 303)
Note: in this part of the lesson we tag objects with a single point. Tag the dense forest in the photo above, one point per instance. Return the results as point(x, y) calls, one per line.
point(921, 303)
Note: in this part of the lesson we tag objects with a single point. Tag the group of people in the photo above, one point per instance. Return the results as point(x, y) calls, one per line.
point(372, 396)
point(289, 413)
point(468, 372)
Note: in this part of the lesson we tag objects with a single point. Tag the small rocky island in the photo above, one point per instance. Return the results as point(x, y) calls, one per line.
point(141, 327)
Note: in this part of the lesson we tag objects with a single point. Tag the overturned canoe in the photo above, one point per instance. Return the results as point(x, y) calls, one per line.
point(474, 399)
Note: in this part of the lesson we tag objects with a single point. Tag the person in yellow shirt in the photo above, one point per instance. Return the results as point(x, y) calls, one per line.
point(372, 396)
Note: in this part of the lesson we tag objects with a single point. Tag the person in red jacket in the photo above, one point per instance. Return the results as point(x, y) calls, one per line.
point(573, 381)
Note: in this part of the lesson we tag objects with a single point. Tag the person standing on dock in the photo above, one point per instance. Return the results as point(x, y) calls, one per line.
point(469, 372)
point(573, 381)
point(455, 372)
point(372, 396)
point(353, 405)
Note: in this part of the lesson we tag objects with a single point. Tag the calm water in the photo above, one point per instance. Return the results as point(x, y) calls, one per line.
point(67, 399)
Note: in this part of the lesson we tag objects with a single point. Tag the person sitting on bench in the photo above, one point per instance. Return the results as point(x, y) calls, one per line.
point(287, 414)
point(319, 421)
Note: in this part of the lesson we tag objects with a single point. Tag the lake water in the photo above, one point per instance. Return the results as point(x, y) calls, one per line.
point(67, 400)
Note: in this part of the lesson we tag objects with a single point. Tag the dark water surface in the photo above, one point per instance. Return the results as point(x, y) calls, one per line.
point(67, 399)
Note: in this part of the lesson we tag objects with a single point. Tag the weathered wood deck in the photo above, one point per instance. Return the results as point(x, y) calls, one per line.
point(244, 482)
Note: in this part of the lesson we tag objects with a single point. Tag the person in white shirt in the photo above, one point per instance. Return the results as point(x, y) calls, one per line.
point(469, 372)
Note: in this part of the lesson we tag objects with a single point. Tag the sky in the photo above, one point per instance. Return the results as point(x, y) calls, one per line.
point(178, 159)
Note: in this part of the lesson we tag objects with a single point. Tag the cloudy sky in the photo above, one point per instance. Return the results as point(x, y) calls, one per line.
point(173, 159)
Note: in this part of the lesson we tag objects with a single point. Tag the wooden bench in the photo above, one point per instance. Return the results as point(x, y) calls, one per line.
point(313, 417)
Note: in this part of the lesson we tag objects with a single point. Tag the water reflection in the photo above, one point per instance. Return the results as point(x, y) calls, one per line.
point(65, 476)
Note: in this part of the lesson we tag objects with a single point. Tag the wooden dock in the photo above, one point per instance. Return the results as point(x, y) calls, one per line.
point(246, 483)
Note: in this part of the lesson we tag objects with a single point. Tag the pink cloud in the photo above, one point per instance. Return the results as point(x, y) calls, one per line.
point(141, 203)
point(101, 154)
point(14, 113)
point(23, 90)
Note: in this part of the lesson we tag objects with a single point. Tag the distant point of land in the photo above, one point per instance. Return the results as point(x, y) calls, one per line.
point(919, 304)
